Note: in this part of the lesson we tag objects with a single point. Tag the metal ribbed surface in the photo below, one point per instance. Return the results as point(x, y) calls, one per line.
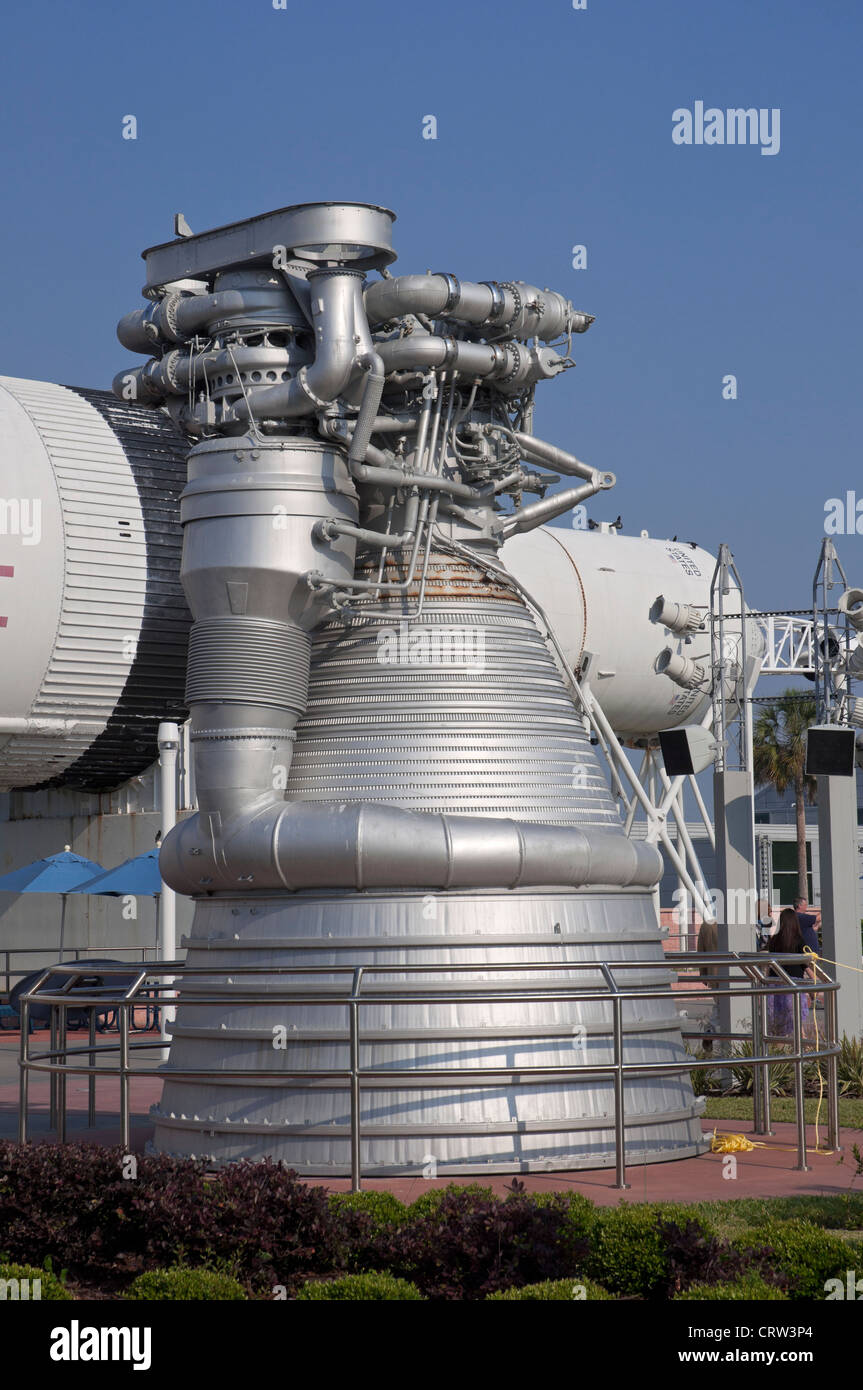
point(153, 691)
point(106, 568)
point(499, 737)
point(480, 724)
point(248, 661)
point(469, 1129)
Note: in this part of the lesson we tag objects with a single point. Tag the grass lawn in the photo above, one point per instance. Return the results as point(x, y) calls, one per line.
point(842, 1214)
point(782, 1108)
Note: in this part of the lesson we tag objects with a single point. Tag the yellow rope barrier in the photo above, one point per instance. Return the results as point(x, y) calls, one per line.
point(721, 1143)
point(807, 951)
point(734, 1144)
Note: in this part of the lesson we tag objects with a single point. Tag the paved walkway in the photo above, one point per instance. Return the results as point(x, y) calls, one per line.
point(764, 1172)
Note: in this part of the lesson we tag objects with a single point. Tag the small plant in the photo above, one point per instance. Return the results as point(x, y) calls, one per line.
point(352, 1288)
point(781, 1073)
point(641, 1251)
point(556, 1290)
point(182, 1285)
point(805, 1253)
point(849, 1066)
point(469, 1246)
point(704, 1079)
point(27, 1282)
point(361, 1218)
point(580, 1212)
point(750, 1287)
point(429, 1203)
point(383, 1208)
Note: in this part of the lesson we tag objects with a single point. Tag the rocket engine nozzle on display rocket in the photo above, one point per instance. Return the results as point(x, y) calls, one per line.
point(389, 763)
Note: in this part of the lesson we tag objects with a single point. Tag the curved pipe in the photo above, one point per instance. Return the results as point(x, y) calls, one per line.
point(538, 513)
point(174, 373)
point(421, 351)
point(538, 451)
point(512, 367)
point(366, 845)
point(523, 310)
point(372, 392)
point(180, 316)
point(336, 307)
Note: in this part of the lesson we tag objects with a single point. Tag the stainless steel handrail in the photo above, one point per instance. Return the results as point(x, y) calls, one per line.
point(76, 952)
point(756, 984)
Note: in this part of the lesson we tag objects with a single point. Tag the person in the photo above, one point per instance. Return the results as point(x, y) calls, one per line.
point(788, 940)
point(767, 926)
point(708, 942)
point(809, 923)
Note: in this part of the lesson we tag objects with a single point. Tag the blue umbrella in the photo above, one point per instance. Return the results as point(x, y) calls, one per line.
point(57, 873)
point(138, 877)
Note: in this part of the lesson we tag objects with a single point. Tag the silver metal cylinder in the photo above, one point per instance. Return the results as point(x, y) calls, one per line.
point(461, 717)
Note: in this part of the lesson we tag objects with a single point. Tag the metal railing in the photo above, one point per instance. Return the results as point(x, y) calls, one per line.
point(75, 952)
point(156, 986)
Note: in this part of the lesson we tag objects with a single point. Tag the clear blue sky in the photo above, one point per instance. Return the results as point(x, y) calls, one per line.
point(554, 128)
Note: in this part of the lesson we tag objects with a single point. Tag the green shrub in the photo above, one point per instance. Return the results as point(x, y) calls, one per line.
point(383, 1208)
point(581, 1212)
point(429, 1203)
point(681, 1213)
point(630, 1249)
point(703, 1079)
point(352, 1288)
point(51, 1289)
point(362, 1220)
point(749, 1288)
point(186, 1285)
point(471, 1245)
point(558, 1290)
point(808, 1255)
point(849, 1066)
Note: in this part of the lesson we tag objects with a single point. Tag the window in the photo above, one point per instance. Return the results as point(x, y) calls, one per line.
point(785, 871)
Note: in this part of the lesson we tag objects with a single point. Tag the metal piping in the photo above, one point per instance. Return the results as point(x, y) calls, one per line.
point(364, 846)
point(511, 367)
point(522, 310)
point(538, 513)
point(337, 308)
point(538, 451)
point(179, 317)
point(393, 725)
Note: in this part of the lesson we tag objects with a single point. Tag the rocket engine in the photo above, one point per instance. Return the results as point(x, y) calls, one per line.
point(390, 765)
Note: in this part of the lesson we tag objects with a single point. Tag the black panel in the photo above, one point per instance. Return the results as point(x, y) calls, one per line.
point(676, 753)
point(830, 752)
point(154, 689)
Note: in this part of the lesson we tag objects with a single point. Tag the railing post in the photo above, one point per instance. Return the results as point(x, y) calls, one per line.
point(757, 1071)
point(768, 1120)
point(24, 1072)
point(801, 1166)
point(619, 1117)
point(91, 1078)
point(52, 1075)
point(356, 1153)
point(61, 1078)
point(831, 1014)
point(125, 1126)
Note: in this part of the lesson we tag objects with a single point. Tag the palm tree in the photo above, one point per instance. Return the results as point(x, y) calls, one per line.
point(779, 746)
